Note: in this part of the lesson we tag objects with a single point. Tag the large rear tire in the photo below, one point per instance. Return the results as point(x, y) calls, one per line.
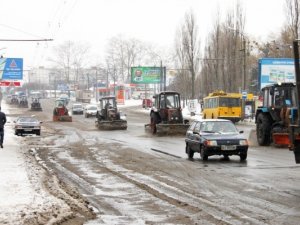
point(153, 123)
point(263, 129)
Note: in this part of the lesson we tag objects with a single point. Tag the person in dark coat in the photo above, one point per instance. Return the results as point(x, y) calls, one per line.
point(2, 123)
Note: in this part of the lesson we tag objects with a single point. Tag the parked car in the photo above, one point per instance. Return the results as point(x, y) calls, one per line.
point(28, 125)
point(90, 110)
point(77, 108)
point(215, 137)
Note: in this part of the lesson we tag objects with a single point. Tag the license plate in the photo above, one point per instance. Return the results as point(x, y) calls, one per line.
point(27, 129)
point(228, 147)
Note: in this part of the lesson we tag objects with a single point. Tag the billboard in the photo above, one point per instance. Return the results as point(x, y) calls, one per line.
point(276, 70)
point(11, 69)
point(145, 75)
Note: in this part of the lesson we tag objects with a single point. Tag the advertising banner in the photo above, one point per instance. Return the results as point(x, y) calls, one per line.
point(145, 75)
point(11, 69)
point(276, 70)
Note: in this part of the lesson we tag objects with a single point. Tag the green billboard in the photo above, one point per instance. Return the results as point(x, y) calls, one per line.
point(145, 75)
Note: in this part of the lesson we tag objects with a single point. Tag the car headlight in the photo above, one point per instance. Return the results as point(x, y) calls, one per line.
point(210, 143)
point(243, 142)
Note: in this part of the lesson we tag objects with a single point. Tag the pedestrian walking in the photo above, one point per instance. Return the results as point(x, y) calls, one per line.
point(2, 123)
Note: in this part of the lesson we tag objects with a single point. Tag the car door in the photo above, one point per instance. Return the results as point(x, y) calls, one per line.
point(189, 134)
point(196, 137)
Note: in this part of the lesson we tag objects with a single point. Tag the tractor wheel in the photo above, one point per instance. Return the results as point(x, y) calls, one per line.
point(189, 152)
point(153, 123)
point(263, 130)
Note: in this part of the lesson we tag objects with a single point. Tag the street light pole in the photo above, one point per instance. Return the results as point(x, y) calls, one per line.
point(245, 65)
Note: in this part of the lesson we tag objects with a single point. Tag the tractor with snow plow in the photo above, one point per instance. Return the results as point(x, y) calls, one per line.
point(108, 116)
point(166, 115)
point(272, 118)
point(60, 112)
point(278, 119)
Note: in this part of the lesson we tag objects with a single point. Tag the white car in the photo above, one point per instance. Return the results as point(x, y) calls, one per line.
point(77, 108)
point(90, 110)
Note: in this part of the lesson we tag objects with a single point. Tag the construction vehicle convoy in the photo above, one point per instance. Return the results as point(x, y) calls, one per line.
point(108, 116)
point(166, 114)
point(60, 112)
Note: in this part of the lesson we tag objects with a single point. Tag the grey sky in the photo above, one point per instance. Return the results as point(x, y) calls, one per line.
point(95, 21)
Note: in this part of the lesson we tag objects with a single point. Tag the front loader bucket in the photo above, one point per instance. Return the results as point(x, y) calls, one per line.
point(112, 125)
point(64, 118)
point(171, 129)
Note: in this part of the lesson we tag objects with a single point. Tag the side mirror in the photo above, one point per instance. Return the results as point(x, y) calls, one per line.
point(241, 132)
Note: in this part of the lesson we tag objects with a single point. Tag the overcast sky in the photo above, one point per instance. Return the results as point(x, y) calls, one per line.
point(95, 21)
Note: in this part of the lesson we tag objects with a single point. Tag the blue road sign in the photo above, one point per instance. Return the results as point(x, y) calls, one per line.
point(11, 69)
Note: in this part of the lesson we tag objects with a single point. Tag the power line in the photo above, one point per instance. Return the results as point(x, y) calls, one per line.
point(45, 39)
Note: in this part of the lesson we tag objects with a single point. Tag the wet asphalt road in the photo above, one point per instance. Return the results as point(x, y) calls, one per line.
point(131, 177)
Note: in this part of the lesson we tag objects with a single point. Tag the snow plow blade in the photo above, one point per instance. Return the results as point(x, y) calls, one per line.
point(62, 118)
point(112, 125)
point(169, 129)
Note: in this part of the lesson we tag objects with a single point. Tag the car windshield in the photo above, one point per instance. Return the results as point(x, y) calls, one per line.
point(77, 106)
point(218, 127)
point(92, 107)
point(27, 120)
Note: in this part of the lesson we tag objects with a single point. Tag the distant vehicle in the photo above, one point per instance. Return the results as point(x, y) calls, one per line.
point(77, 108)
point(23, 102)
point(108, 116)
point(27, 125)
point(14, 100)
point(147, 103)
point(83, 96)
point(215, 137)
point(36, 105)
point(64, 98)
point(90, 110)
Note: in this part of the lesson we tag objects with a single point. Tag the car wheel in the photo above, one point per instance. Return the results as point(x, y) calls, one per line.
point(226, 157)
point(243, 156)
point(38, 133)
point(16, 133)
point(189, 152)
point(204, 157)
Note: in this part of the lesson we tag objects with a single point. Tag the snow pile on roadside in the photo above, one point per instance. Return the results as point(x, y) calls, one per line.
point(23, 198)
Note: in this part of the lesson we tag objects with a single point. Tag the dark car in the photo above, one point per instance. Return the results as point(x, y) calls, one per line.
point(77, 108)
point(27, 125)
point(215, 137)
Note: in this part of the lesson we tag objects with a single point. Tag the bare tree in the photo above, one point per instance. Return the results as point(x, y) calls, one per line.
point(68, 56)
point(188, 48)
point(293, 11)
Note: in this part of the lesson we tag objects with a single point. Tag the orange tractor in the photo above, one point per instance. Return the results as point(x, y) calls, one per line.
point(60, 112)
